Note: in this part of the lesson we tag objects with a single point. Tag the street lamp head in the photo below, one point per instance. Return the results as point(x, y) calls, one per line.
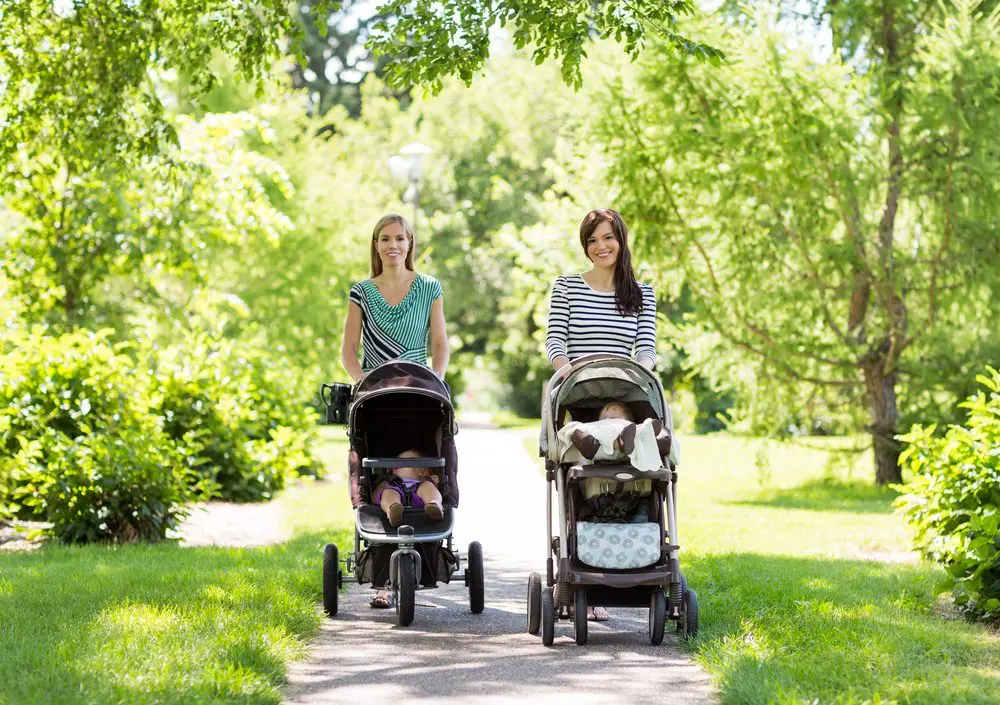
point(415, 153)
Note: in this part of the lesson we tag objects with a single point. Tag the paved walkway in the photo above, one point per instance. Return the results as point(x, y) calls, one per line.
point(451, 655)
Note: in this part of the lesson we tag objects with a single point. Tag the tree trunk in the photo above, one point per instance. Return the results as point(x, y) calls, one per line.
point(881, 389)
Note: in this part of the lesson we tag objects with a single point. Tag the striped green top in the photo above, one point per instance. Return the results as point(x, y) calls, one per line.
point(400, 331)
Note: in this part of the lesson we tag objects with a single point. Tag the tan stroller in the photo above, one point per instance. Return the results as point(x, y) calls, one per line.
point(596, 561)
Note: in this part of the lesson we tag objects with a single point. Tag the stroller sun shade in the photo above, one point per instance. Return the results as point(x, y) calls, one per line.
point(593, 381)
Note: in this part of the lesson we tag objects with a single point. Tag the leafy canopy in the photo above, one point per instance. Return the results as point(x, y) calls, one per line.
point(431, 39)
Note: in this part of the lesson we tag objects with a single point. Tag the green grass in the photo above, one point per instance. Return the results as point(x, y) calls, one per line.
point(794, 606)
point(165, 624)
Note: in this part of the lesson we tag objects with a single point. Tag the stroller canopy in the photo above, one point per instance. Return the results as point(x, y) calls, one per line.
point(591, 381)
point(401, 376)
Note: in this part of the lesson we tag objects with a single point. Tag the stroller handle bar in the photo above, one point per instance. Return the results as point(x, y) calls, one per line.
point(403, 462)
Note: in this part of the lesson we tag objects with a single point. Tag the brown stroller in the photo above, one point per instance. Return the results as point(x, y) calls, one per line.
point(610, 563)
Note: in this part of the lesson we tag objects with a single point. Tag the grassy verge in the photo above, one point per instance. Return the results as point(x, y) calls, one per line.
point(807, 588)
point(165, 624)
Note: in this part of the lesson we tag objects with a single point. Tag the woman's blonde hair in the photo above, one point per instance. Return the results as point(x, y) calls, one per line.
point(385, 220)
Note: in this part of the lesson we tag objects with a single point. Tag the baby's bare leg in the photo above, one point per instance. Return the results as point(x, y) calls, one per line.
point(391, 503)
point(429, 492)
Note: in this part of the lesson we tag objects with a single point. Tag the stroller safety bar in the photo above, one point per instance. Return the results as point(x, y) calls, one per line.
point(403, 463)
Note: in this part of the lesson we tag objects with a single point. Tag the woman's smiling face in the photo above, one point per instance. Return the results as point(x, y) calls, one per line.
point(392, 245)
point(602, 246)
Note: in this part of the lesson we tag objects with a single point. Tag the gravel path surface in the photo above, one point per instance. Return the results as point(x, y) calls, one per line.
point(237, 525)
point(451, 655)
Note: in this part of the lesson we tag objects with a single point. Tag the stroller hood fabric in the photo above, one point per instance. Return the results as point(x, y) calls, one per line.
point(591, 381)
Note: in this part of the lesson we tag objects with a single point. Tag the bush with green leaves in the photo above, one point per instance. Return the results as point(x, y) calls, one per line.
point(234, 415)
point(953, 502)
point(79, 446)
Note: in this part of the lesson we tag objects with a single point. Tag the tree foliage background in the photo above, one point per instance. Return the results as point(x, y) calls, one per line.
point(189, 190)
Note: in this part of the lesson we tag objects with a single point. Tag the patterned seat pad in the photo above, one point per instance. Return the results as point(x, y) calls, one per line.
point(618, 546)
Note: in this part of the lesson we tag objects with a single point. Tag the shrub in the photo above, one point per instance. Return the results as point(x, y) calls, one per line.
point(228, 407)
point(953, 502)
point(80, 447)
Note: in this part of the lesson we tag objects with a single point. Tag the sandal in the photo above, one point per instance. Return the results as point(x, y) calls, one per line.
point(381, 601)
point(395, 514)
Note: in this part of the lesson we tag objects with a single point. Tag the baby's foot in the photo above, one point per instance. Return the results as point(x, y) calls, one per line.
point(626, 439)
point(662, 438)
point(434, 510)
point(395, 514)
point(585, 443)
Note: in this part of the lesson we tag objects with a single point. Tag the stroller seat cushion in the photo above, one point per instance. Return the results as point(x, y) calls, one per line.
point(618, 546)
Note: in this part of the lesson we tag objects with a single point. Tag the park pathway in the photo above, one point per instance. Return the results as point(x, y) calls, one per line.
point(449, 655)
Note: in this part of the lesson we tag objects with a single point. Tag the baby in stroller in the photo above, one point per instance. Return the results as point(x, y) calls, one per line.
point(409, 487)
point(615, 437)
point(611, 517)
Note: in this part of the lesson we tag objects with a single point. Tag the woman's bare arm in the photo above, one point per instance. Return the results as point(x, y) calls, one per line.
point(439, 338)
point(352, 340)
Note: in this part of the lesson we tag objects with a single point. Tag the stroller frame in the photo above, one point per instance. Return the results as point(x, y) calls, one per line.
point(570, 583)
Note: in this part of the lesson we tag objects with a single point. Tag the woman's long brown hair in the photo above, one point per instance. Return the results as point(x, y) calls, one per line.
point(376, 261)
point(628, 295)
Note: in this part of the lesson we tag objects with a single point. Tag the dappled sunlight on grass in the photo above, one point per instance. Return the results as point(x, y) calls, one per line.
point(786, 629)
point(827, 494)
point(166, 624)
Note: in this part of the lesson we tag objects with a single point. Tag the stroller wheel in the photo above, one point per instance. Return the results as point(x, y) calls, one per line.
point(580, 615)
point(681, 622)
point(534, 603)
point(475, 578)
point(690, 613)
point(548, 617)
point(405, 591)
point(331, 579)
point(657, 616)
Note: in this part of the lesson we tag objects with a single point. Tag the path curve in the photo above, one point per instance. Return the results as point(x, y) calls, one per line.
point(451, 655)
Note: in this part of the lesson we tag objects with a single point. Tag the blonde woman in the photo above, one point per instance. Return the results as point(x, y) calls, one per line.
point(391, 313)
point(390, 316)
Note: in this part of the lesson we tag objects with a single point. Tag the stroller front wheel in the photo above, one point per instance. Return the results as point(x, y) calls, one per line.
point(475, 578)
point(534, 603)
point(548, 618)
point(657, 616)
point(405, 590)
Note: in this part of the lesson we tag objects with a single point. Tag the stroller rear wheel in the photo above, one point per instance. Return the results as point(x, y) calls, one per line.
point(657, 616)
point(580, 615)
point(548, 617)
point(405, 590)
point(331, 579)
point(690, 613)
point(534, 603)
point(475, 579)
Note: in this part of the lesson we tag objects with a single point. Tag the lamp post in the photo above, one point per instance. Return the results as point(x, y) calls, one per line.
point(409, 164)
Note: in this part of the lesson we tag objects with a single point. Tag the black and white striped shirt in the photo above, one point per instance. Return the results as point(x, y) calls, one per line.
point(583, 321)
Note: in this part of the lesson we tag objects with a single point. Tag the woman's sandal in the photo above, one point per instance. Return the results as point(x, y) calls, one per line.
point(381, 601)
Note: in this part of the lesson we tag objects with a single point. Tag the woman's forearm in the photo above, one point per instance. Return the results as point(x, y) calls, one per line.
point(349, 359)
point(559, 361)
point(439, 358)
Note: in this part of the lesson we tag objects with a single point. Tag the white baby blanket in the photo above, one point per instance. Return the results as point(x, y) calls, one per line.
point(645, 456)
